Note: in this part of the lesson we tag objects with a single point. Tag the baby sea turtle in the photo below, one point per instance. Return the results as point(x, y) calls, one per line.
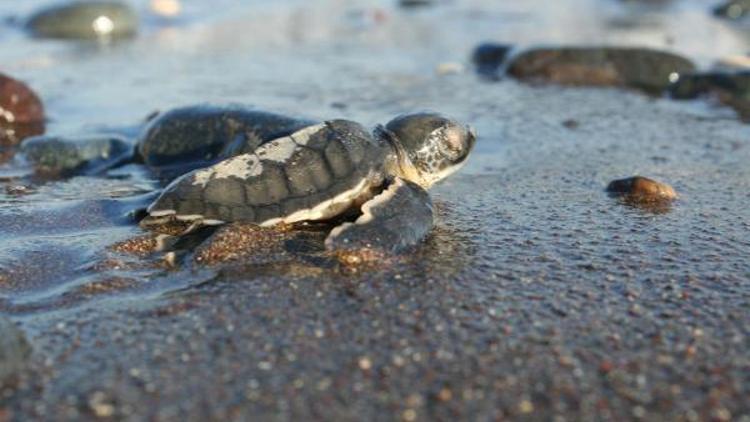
point(323, 171)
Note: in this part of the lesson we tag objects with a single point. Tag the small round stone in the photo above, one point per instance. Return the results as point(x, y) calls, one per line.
point(571, 124)
point(85, 20)
point(365, 363)
point(642, 190)
point(449, 68)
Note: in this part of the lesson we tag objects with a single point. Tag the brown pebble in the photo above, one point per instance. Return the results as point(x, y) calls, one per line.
point(21, 111)
point(525, 407)
point(642, 190)
point(365, 364)
point(691, 351)
point(606, 367)
point(445, 394)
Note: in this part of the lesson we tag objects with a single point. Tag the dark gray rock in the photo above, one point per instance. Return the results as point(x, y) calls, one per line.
point(84, 20)
point(489, 58)
point(733, 9)
point(417, 3)
point(62, 157)
point(14, 349)
point(730, 88)
point(197, 136)
point(650, 71)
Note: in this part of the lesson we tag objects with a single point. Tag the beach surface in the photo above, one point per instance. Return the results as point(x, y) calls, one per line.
point(536, 297)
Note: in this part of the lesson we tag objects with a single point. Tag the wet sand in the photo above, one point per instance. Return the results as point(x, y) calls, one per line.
point(537, 297)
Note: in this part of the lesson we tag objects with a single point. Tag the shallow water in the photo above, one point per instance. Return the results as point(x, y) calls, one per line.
point(537, 295)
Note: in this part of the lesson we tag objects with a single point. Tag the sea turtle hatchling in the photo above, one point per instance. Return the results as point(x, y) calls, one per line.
point(325, 170)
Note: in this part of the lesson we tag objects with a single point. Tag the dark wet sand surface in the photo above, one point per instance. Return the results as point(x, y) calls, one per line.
point(537, 297)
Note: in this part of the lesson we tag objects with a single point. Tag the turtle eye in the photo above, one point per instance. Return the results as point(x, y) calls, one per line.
point(450, 141)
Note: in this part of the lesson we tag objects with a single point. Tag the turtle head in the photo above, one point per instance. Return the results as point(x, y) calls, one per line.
point(430, 146)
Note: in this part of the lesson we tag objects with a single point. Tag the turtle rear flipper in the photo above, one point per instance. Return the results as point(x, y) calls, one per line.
point(398, 218)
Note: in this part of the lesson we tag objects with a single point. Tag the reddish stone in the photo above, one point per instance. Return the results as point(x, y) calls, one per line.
point(606, 366)
point(642, 190)
point(21, 111)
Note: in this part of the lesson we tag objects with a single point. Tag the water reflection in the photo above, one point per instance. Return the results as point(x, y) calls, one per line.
point(652, 207)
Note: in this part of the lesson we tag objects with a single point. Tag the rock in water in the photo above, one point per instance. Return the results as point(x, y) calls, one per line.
point(648, 70)
point(60, 157)
point(733, 9)
point(21, 111)
point(489, 57)
point(14, 349)
point(730, 88)
point(417, 3)
point(85, 20)
point(642, 190)
point(196, 136)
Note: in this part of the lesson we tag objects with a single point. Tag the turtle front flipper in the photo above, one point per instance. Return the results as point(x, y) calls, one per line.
point(396, 219)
